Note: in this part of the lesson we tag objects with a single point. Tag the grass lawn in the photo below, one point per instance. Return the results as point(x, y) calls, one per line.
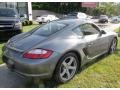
point(117, 30)
point(28, 28)
point(25, 29)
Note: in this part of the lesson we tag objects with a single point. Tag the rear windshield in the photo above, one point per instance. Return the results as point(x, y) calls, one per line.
point(7, 13)
point(49, 29)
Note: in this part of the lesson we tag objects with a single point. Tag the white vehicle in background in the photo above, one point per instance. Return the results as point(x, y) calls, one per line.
point(82, 15)
point(78, 15)
point(46, 18)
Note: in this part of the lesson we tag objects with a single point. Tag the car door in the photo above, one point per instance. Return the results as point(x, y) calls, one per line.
point(93, 39)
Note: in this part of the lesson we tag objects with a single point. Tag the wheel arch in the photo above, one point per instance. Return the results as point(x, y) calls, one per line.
point(71, 51)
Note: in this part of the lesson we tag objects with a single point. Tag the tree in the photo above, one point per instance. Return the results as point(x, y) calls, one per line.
point(59, 7)
point(109, 9)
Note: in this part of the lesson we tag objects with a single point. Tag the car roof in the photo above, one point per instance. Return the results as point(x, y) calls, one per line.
point(73, 21)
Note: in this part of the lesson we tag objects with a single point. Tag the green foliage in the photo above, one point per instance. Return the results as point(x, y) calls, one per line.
point(58, 7)
point(109, 9)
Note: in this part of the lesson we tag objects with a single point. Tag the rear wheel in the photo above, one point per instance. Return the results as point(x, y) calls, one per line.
point(113, 46)
point(66, 68)
point(106, 21)
point(40, 22)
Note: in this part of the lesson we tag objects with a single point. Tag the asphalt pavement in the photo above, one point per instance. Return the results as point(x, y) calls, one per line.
point(10, 79)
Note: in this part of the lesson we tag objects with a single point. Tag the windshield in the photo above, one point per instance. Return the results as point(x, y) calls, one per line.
point(7, 13)
point(49, 29)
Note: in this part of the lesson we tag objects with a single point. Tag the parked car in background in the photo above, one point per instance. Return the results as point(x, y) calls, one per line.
point(57, 49)
point(103, 19)
point(46, 18)
point(23, 18)
point(76, 15)
point(115, 19)
point(10, 23)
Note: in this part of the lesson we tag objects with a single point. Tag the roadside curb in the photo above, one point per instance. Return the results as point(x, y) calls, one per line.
point(2, 65)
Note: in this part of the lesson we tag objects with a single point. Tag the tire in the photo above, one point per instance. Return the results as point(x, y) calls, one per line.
point(113, 46)
point(65, 69)
point(107, 21)
point(40, 22)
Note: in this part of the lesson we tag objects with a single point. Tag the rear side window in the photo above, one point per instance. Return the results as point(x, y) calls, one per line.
point(49, 29)
point(7, 13)
point(78, 31)
point(89, 29)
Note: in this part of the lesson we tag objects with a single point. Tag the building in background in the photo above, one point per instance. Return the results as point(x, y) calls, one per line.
point(23, 8)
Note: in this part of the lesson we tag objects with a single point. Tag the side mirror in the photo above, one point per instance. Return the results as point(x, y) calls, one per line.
point(103, 32)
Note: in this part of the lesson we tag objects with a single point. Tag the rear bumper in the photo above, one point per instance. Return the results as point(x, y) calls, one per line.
point(42, 68)
point(7, 34)
point(103, 20)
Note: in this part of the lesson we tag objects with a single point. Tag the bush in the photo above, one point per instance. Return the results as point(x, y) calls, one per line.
point(30, 22)
point(26, 23)
point(23, 23)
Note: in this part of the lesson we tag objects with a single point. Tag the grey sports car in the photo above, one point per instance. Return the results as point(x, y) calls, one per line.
point(57, 49)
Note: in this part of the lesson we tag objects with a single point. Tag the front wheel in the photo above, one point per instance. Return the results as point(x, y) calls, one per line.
point(66, 68)
point(113, 46)
point(40, 22)
point(106, 21)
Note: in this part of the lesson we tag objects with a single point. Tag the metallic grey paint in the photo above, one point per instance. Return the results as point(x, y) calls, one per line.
point(61, 42)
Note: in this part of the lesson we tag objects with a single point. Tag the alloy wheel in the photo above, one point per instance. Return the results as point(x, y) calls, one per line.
point(68, 68)
point(113, 46)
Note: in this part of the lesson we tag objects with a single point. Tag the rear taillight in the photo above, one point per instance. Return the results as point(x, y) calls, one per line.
point(38, 54)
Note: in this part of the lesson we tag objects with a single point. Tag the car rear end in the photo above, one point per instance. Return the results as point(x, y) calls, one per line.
point(103, 19)
point(30, 54)
point(24, 65)
point(10, 23)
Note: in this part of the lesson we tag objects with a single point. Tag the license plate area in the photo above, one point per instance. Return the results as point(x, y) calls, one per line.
point(10, 63)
